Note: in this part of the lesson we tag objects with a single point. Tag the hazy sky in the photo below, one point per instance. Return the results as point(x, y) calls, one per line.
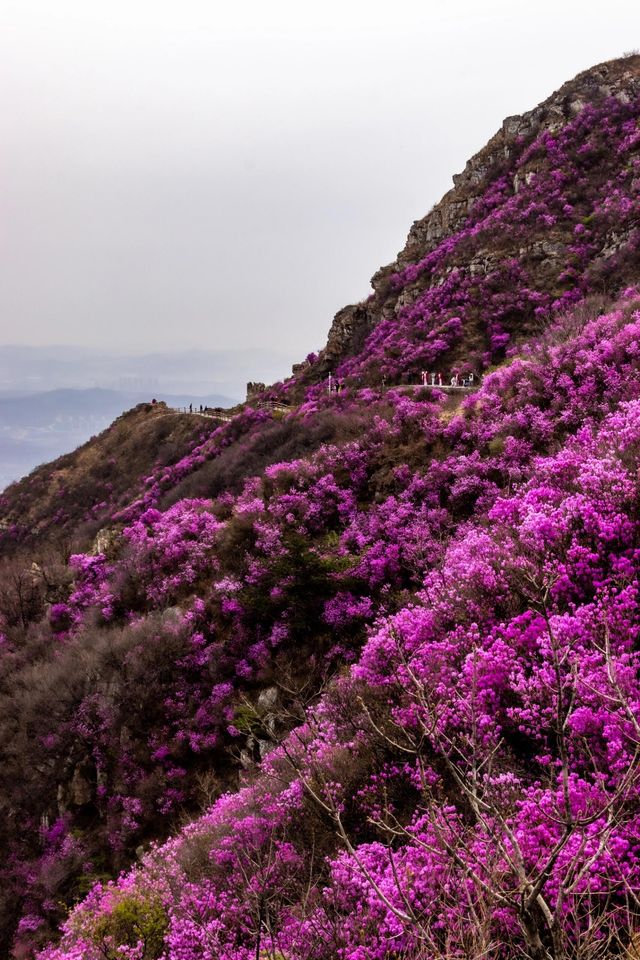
point(203, 173)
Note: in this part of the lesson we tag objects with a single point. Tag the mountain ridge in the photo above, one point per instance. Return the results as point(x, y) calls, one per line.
point(37, 428)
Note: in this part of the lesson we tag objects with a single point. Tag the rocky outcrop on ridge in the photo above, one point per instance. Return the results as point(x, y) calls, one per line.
point(617, 80)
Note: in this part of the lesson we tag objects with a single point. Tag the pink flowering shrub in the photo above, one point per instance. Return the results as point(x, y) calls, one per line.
point(173, 550)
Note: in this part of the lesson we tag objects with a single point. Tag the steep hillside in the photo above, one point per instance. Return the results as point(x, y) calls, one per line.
point(355, 674)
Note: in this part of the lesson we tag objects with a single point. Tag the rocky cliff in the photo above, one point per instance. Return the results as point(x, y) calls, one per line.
point(507, 156)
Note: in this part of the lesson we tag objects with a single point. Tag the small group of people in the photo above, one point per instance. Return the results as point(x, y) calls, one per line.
point(334, 385)
point(435, 380)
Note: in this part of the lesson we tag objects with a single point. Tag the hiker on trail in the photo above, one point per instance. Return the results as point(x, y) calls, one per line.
point(200, 408)
point(433, 379)
point(470, 380)
point(454, 380)
point(190, 408)
point(424, 378)
point(439, 379)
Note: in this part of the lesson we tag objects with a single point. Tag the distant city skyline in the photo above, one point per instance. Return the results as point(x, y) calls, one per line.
point(201, 176)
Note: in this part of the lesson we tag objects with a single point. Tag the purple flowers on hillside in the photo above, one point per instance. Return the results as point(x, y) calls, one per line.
point(380, 648)
point(506, 700)
point(491, 714)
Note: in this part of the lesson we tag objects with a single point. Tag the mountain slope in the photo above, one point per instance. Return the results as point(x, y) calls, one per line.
point(385, 638)
point(36, 428)
point(70, 497)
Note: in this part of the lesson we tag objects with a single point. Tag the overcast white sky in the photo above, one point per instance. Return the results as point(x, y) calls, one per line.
point(196, 173)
